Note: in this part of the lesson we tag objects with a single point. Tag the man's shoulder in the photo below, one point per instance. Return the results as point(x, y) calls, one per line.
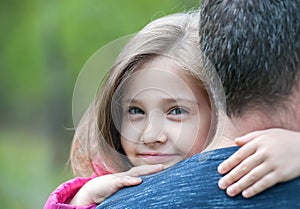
point(193, 183)
point(212, 156)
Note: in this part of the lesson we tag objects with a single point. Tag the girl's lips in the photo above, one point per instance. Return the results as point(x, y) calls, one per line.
point(146, 154)
point(157, 157)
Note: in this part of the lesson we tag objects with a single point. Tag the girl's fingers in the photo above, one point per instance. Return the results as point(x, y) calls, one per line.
point(108, 185)
point(240, 141)
point(143, 170)
point(123, 181)
point(239, 171)
point(249, 180)
point(236, 158)
point(261, 185)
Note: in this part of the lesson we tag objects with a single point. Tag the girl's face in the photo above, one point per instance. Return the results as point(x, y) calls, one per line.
point(166, 115)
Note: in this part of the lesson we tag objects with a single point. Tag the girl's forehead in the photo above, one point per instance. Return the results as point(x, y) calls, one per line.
point(159, 73)
point(161, 76)
point(162, 68)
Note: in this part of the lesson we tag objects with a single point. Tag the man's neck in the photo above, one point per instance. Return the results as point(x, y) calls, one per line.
point(255, 121)
point(239, 126)
point(284, 117)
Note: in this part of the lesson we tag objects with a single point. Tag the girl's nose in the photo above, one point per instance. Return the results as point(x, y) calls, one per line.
point(154, 131)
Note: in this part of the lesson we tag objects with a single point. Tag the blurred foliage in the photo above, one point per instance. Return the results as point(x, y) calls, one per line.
point(43, 46)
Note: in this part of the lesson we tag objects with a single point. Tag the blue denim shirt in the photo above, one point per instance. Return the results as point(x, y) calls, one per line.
point(192, 183)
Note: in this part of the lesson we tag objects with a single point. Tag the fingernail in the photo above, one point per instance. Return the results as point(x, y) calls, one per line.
point(162, 166)
point(236, 139)
point(159, 167)
point(230, 191)
point(220, 168)
point(222, 184)
point(246, 194)
point(136, 180)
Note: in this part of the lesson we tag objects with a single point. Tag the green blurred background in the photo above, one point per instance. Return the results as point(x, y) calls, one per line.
point(43, 46)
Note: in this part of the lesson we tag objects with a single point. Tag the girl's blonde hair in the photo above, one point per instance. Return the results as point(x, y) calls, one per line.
point(97, 140)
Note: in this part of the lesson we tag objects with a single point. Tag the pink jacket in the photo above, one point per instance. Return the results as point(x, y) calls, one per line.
point(63, 194)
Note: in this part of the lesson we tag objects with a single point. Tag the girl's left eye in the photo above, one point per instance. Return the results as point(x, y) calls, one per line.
point(178, 111)
point(136, 111)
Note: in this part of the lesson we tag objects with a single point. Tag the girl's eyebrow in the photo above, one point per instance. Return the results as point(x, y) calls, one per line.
point(166, 100)
point(179, 100)
point(129, 101)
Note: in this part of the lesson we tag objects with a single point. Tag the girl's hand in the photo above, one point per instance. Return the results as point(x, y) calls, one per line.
point(99, 188)
point(266, 157)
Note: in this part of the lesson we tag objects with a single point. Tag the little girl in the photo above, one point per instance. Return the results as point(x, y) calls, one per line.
point(154, 109)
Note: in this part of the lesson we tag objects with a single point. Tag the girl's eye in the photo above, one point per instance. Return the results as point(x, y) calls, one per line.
point(178, 111)
point(136, 111)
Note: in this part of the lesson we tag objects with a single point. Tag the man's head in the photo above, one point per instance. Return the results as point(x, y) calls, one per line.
point(255, 47)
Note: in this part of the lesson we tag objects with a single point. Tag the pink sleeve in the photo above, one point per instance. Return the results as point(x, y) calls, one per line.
point(63, 194)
